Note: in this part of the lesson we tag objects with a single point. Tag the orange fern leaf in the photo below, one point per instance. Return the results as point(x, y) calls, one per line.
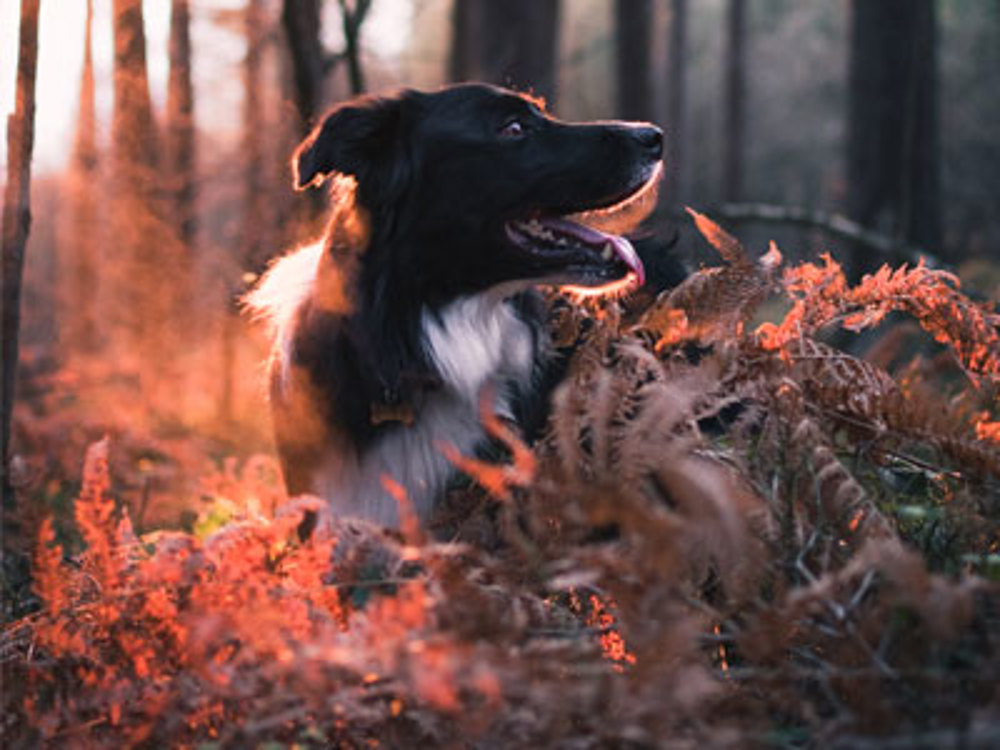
point(495, 478)
point(49, 579)
point(985, 429)
point(727, 245)
point(713, 303)
point(822, 297)
point(94, 513)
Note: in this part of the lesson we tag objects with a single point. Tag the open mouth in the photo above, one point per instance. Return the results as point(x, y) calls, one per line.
point(585, 251)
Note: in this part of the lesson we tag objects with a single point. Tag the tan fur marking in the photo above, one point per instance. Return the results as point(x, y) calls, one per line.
point(301, 422)
point(347, 238)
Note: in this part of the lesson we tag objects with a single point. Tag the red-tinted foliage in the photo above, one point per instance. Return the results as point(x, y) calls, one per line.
point(822, 296)
point(820, 566)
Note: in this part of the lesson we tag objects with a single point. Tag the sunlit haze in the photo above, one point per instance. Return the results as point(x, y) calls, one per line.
point(217, 53)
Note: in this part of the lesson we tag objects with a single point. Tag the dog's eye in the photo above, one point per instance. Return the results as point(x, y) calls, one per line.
point(512, 129)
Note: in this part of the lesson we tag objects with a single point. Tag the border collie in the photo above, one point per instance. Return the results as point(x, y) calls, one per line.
point(448, 209)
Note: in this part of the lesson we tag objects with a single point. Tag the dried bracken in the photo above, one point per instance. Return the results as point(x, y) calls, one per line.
point(714, 303)
point(822, 297)
point(727, 538)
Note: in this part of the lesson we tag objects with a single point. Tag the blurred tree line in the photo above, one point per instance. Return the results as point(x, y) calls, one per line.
point(776, 111)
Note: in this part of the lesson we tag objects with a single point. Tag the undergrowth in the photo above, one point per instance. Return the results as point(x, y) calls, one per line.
point(732, 535)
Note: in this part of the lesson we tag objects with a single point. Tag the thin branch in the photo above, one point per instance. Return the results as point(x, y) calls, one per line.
point(834, 224)
point(352, 19)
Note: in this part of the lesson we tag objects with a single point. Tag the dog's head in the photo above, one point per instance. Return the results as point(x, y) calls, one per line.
point(474, 186)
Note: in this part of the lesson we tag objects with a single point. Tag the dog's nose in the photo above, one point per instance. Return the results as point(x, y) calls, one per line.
point(650, 138)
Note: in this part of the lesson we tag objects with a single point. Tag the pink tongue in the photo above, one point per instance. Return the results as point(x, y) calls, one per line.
point(622, 247)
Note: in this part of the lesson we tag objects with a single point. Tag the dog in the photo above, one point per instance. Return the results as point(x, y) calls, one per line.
point(448, 210)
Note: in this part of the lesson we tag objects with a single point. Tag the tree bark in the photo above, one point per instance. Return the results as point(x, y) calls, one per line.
point(79, 258)
point(180, 125)
point(511, 43)
point(893, 148)
point(634, 41)
point(465, 27)
point(352, 18)
point(17, 223)
point(136, 268)
point(254, 242)
point(735, 92)
point(133, 127)
point(301, 20)
point(676, 96)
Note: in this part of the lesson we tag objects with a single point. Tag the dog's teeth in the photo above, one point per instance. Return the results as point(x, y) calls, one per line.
point(608, 252)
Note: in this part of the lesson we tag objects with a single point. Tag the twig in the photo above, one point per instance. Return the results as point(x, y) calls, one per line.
point(863, 588)
point(140, 519)
point(352, 18)
point(81, 728)
point(831, 223)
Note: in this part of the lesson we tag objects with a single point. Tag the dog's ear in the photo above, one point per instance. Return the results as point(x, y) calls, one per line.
point(350, 140)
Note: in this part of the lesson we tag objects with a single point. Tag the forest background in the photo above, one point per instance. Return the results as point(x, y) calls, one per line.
point(175, 121)
point(155, 174)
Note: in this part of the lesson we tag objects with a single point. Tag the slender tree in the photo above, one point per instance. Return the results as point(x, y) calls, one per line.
point(893, 148)
point(180, 125)
point(676, 95)
point(733, 134)
point(79, 256)
point(133, 128)
point(254, 241)
point(311, 62)
point(634, 42)
point(462, 62)
point(301, 21)
point(352, 17)
point(17, 223)
point(137, 267)
point(512, 43)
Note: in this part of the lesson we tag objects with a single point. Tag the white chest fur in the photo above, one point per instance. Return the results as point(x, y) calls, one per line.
point(476, 339)
point(473, 342)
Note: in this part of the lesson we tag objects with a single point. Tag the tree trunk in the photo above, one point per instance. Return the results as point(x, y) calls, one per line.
point(465, 17)
point(514, 43)
point(17, 225)
point(133, 129)
point(137, 267)
point(352, 18)
point(735, 93)
point(180, 125)
point(301, 20)
point(254, 242)
point(677, 56)
point(634, 38)
point(80, 253)
point(893, 149)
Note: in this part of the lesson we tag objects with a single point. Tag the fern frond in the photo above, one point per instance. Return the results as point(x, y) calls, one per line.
point(94, 512)
point(49, 579)
point(714, 303)
point(822, 297)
